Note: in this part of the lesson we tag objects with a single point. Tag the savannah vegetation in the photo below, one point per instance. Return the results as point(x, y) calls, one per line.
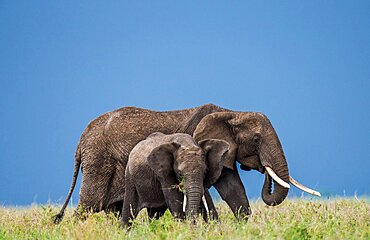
point(294, 219)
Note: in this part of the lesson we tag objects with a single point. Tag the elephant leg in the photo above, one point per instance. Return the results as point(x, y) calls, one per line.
point(81, 212)
point(213, 215)
point(231, 189)
point(116, 208)
point(174, 202)
point(95, 183)
point(130, 204)
point(156, 212)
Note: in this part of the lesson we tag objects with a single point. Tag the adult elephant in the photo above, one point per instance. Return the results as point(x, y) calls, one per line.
point(105, 145)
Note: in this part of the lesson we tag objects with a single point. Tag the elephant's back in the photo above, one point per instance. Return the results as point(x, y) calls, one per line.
point(112, 125)
point(114, 134)
point(125, 122)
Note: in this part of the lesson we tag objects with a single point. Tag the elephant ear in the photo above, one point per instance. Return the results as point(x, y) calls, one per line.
point(161, 161)
point(215, 151)
point(217, 126)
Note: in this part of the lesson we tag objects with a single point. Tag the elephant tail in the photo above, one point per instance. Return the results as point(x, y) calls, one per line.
point(58, 218)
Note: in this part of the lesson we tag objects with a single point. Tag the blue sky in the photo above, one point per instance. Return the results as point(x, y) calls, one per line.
point(305, 64)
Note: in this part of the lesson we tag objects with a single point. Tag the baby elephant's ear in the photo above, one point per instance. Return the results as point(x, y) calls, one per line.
point(160, 160)
point(216, 151)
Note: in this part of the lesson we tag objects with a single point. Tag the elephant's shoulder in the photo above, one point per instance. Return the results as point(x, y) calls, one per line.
point(211, 108)
point(137, 160)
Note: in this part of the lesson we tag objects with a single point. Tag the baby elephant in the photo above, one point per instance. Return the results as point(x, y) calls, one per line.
point(171, 171)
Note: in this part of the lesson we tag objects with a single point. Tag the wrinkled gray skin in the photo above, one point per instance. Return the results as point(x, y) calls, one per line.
point(105, 145)
point(158, 164)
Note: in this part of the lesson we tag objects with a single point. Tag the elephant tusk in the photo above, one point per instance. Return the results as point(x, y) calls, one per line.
point(184, 204)
point(303, 188)
point(205, 203)
point(276, 178)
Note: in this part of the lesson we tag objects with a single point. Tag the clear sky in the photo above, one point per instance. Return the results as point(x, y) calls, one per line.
point(305, 64)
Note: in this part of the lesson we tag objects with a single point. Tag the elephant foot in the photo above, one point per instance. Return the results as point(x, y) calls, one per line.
point(126, 226)
point(243, 214)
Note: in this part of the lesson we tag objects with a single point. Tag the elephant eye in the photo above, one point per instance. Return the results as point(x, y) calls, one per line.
point(257, 139)
point(235, 129)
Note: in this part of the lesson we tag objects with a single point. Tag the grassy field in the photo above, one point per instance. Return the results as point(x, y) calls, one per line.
point(293, 219)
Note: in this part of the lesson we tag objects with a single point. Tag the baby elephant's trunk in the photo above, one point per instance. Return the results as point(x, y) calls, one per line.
point(194, 192)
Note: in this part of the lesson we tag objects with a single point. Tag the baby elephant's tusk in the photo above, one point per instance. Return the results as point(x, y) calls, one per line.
point(303, 188)
point(184, 204)
point(205, 203)
point(276, 178)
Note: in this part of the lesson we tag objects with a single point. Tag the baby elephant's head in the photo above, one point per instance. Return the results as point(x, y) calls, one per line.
point(191, 167)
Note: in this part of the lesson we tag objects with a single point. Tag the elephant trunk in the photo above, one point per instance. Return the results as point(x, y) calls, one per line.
point(273, 197)
point(272, 156)
point(194, 192)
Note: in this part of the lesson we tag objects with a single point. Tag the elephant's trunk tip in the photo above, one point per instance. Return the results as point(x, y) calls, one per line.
point(277, 195)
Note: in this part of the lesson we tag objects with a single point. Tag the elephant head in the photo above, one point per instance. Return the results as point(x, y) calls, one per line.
point(190, 167)
point(254, 144)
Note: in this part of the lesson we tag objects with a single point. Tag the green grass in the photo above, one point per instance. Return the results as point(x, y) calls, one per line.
point(293, 219)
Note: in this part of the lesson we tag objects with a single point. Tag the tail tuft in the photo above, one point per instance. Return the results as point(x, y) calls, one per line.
point(58, 218)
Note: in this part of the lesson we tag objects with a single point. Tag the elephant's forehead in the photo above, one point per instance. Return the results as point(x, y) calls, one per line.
point(192, 165)
point(256, 126)
point(191, 149)
point(184, 139)
point(252, 120)
point(190, 152)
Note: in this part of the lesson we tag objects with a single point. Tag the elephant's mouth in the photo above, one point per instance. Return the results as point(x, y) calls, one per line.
point(245, 168)
point(249, 168)
point(251, 162)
